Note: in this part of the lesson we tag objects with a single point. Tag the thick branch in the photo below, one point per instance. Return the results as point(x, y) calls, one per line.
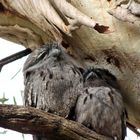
point(34, 121)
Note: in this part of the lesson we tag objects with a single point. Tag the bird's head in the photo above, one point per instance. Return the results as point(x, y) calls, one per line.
point(92, 74)
point(50, 50)
point(46, 51)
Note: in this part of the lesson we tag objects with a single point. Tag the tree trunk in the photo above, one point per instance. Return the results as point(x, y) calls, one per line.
point(33, 23)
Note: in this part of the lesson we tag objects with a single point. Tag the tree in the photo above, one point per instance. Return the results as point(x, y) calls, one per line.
point(33, 23)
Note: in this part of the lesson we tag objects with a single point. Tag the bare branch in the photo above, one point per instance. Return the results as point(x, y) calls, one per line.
point(14, 57)
point(34, 121)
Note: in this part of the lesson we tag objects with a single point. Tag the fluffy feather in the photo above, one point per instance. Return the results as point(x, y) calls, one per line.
point(52, 81)
point(100, 106)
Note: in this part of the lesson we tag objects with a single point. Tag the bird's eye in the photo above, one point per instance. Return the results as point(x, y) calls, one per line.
point(42, 55)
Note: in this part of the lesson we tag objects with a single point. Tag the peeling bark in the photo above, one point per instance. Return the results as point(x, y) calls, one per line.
point(125, 15)
point(23, 35)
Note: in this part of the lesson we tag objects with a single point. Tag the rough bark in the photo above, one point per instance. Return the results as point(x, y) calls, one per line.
point(33, 121)
point(31, 24)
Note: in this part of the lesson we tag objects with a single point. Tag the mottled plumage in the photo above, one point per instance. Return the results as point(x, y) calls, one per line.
point(100, 106)
point(52, 81)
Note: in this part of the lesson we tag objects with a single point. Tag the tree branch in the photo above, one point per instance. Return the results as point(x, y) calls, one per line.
point(34, 121)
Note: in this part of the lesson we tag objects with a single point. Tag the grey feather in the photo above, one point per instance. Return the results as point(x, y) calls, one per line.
point(100, 106)
point(52, 81)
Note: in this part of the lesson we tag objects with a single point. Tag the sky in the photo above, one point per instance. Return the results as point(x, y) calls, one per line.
point(11, 85)
point(11, 81)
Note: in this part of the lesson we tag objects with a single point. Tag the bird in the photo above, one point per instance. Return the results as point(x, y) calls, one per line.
point(52, 81)
point(100, 106)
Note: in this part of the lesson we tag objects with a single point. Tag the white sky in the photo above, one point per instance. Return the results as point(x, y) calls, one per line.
point(13, 87)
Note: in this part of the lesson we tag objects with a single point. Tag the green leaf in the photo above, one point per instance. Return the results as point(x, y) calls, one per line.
point(14, 99)
point(23, 136)
point(4, 132)
point(3, 99)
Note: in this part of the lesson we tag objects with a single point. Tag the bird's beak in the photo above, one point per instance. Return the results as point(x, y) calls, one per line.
point(91, 75)
point(54, 53)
